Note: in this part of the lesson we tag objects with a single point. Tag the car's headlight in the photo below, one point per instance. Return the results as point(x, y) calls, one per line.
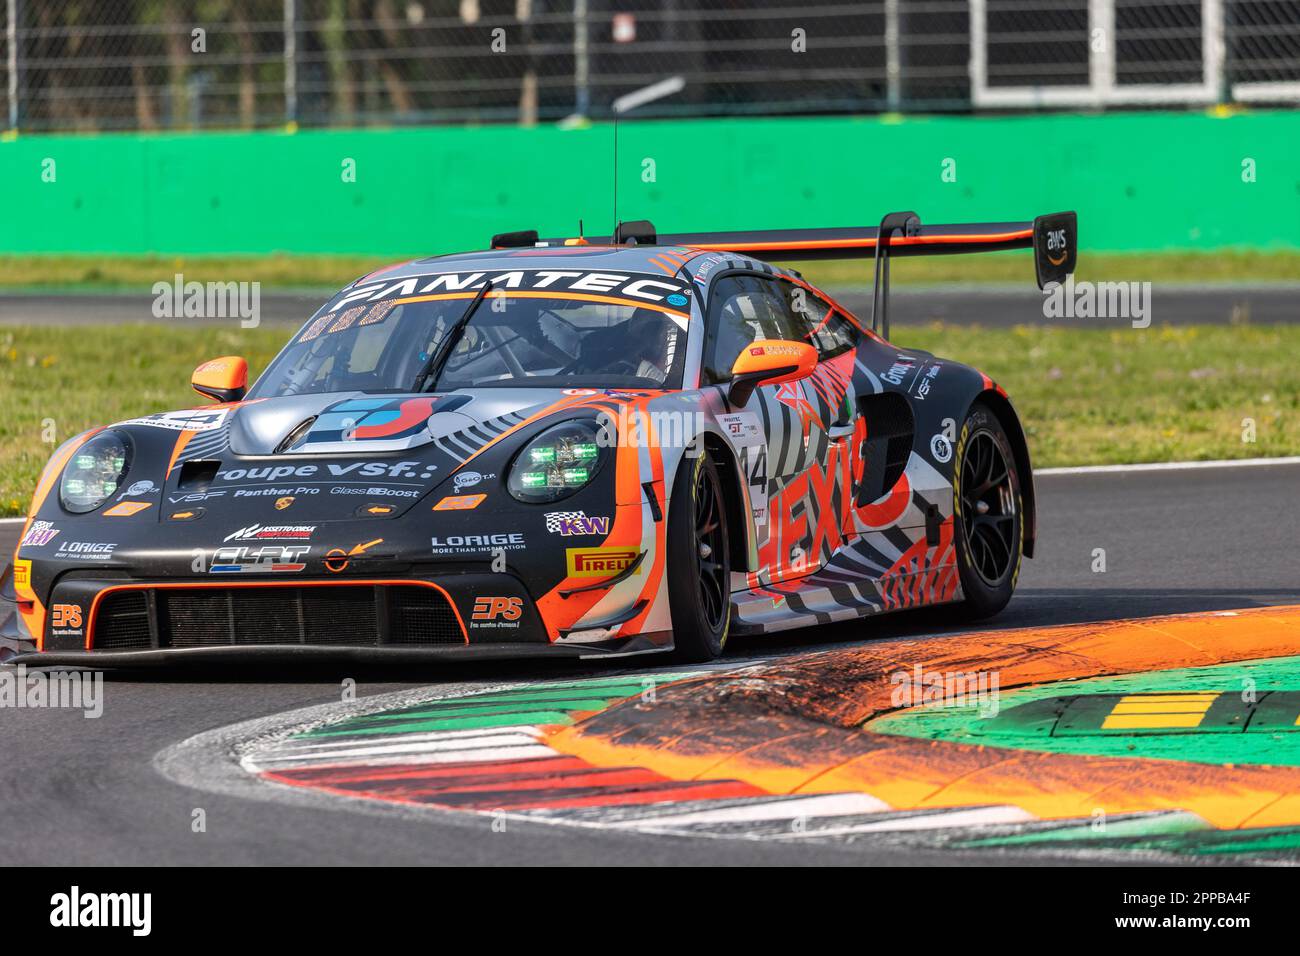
point(557, 462)
point(94, 473)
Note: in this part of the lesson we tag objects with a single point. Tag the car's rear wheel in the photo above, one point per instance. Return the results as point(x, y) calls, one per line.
point(988, 526)
point(699, 562)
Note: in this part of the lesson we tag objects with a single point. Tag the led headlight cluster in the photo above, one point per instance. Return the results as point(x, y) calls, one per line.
point(557, 463)
point(94, 473)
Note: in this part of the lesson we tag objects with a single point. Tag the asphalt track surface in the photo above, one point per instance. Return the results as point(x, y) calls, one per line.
point(992, 306)
point(86, 792)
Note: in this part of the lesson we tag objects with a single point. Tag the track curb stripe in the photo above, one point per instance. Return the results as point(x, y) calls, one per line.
point(786, 750)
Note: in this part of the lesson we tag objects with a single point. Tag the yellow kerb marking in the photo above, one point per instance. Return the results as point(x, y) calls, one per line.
point(1151, 722)
point(1192, 708)
point(1157, 711)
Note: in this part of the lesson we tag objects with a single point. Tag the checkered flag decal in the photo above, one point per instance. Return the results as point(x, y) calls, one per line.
point(555, 520)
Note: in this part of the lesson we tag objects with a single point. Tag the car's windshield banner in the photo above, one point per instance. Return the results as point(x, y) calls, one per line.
point(662, 291)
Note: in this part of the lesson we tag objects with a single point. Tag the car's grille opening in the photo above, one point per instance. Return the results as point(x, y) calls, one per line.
point(123, 622)
point(422, 616)
point(326, 616)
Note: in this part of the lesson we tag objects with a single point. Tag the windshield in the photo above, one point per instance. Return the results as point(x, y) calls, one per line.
point(630, 333)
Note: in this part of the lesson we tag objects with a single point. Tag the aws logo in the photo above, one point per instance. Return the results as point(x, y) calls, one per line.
point(1058, 248)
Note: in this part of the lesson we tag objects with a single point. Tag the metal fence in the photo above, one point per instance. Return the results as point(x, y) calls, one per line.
point(186, 64)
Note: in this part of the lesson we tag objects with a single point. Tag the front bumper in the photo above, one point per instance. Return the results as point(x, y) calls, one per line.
point(101, 620)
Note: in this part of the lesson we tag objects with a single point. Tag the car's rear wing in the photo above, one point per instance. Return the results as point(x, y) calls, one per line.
point(1053, 237)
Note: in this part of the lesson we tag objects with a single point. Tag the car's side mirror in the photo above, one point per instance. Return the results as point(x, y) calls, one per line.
point(222, 379)
point(769, 362)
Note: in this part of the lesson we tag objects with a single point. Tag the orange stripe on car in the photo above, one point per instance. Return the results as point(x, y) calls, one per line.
point(866, 243)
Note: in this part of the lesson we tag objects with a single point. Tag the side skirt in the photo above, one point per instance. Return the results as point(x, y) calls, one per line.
point(827, 596)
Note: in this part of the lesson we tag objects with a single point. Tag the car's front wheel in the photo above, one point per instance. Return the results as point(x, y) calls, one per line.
point(988, 526)
point(699, 562)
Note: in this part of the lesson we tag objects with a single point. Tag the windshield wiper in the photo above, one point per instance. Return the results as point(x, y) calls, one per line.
point(433, 367)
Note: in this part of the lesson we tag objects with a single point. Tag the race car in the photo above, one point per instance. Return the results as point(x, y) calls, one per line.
point(590, 447)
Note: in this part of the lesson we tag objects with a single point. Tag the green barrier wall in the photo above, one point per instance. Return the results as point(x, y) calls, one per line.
point(1140, 181)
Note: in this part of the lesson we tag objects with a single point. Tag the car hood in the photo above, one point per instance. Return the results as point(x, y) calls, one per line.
point(364, 424)
point(334, 453)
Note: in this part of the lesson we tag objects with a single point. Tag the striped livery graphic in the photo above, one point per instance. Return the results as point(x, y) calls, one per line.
point(466, 443)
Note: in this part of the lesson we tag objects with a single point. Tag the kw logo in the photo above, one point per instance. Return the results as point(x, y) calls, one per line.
point(599, 562)
point(66, 617)
point(492, 608)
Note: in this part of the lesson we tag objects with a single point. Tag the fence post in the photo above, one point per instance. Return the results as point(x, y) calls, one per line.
point(581, 60)
point(290, 61)
point(11, 45)
point(1101, 62)
point(1214, 51)
point(893, 61)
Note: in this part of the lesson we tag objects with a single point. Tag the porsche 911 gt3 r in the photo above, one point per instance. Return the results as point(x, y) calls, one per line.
point(554, 447)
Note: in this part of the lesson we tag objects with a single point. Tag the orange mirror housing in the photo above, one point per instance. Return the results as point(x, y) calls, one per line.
point(223, 379)
point(769, 362)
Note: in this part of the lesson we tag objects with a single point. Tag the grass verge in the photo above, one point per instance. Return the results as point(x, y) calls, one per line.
point(331, 272)
point(1086, 396)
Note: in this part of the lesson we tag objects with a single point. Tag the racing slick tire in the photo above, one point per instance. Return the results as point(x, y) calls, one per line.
point(988, 525)
point(699, 562)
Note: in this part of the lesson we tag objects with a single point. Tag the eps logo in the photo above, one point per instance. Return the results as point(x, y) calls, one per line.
point(498, 608)
point(66, 617)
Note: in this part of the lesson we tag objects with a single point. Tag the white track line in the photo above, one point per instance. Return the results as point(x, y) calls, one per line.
point(12, 520)
point(480, 755)
point(777, 807)
point(469, 737)
point(1167, 466)
point(394, 744)
point(903, 821)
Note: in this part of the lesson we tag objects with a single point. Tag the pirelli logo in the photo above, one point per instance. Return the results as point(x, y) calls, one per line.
point(23, 580)
point(599, 562)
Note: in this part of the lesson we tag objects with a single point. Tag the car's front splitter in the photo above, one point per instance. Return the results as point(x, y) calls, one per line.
point(309, 654)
